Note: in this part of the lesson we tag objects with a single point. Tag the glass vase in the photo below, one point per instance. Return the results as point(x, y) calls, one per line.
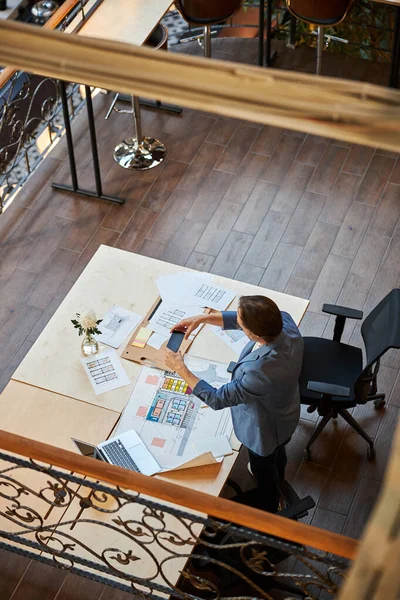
point(89, 345)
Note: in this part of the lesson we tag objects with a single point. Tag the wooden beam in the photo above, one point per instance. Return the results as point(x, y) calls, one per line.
point(347, 110)
point(52, 23)
point(252, 518)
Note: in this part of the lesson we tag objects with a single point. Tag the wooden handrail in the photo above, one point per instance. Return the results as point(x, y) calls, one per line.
point(347, 110)
point(199, 501)
point(52, 23)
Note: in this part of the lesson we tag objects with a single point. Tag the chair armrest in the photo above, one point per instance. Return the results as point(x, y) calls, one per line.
point(328, 389)
point(342, 311)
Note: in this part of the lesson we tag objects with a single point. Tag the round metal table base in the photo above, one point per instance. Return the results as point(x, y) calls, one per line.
point(147, 154)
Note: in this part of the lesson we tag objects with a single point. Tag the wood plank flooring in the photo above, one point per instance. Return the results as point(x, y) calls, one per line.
point(309, 216)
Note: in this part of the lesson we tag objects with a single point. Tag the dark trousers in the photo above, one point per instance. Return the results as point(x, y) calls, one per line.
point(268, 472)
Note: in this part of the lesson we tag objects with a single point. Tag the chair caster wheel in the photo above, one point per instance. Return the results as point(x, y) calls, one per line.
point(307, 454)
point(371, 454)
point(379, 403)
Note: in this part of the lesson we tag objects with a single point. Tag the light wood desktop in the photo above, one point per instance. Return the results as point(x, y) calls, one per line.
point(53, 419)
point(129, 21)
point(117, 277)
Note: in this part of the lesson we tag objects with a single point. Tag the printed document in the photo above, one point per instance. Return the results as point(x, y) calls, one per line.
point(105, 371)
point(118, 323)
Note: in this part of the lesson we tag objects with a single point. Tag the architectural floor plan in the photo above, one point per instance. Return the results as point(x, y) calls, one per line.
point(169, 418)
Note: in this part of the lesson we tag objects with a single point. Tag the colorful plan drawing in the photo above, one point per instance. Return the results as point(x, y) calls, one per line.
point(169, 418)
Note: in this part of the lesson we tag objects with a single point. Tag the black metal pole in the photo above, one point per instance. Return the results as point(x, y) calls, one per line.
point(68, 135)
point(93, 142)
point(394, 65)
point(261, 34)
point(268, 59)
point(293, 27)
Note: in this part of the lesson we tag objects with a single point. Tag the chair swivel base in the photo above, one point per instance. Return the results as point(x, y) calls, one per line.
point(139, 156)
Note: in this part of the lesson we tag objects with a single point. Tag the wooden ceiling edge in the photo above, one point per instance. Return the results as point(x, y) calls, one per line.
point(345, 110)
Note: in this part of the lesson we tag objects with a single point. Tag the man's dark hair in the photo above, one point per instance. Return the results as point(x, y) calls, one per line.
point(261, 316)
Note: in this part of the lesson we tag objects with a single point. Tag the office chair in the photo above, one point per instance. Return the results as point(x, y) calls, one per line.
point(333, 378)
point(321, 13)
point(206, 13)
point(294, 508)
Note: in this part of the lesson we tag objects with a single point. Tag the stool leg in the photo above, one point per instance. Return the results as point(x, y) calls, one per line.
point(113, 103)
point(320, 47)
point(207, 41)
point(137, 121)
point(139, 153)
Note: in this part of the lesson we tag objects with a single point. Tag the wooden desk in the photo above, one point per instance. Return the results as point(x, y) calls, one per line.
point(49, 418)
point(50, 398)
point(129, 21)
point(117, 277)
point(53, 419)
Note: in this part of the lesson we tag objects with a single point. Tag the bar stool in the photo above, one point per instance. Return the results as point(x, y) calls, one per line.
point(323, 13)
point(141, 153)
point(206, 13)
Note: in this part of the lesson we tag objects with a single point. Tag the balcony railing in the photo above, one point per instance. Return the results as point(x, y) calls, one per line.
point(31, 119)
point(153, 538)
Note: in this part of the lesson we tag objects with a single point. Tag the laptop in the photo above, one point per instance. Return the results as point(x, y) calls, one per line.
point(125, 450)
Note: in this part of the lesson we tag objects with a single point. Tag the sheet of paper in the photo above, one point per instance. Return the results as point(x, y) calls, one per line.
point(194, 288)
point(170, 419)
point(118, 323)
point(207, 458)
point(236, 339)
point(219, 446)
point(105, 371)
point(168, 315)
point(156, 340)
point(177, 285)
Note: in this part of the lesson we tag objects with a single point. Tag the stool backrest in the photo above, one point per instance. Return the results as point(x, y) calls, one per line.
point(320, 12)
point(207, 12)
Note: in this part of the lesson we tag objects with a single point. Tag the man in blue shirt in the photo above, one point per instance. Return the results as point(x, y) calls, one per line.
point(263, 394)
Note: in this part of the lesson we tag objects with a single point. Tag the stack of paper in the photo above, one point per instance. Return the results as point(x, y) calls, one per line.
point(198, 289)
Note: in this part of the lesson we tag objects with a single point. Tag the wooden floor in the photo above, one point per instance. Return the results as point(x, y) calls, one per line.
point(300, 214)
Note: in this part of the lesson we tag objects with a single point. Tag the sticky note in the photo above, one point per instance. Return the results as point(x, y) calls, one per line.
point(141, 337)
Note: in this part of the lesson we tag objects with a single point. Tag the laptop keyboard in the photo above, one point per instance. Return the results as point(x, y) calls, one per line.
point(119, 456)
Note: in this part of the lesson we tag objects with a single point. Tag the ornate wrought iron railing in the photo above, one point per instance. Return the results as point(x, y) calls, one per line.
point(30, 110)
point(156, 539)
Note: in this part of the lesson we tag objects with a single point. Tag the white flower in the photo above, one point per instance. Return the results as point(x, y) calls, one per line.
point(88, 320)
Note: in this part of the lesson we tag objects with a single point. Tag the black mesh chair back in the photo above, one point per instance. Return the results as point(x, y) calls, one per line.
point(381, 329)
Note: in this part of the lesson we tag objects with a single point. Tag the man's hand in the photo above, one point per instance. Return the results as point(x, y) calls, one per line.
point(188, 325)
point(173, 360)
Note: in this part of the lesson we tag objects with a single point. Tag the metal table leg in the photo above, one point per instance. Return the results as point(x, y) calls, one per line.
point(139, 153)
point(261, 34)
point(395, 60)
point(269, 57)
point(293, 27)
point(71, 153)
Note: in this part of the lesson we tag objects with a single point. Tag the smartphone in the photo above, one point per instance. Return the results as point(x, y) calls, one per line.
point(175, 340)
